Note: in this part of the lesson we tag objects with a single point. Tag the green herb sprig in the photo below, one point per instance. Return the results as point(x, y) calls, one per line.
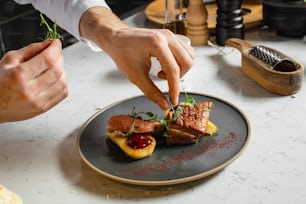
point(51, 32)
point(189, 101)
point(135, 114)
point(150, 115)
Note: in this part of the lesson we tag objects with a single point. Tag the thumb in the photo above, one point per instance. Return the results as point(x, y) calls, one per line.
point(32, 50)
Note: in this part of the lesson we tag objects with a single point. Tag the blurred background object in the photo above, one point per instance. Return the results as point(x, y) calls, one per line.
point(175, 16)
point(197, 26)
point(229, 20)
point(20, 24)
point(286, 17)
point(251, 11)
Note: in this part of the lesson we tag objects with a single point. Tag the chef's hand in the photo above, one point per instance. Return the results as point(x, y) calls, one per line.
point(32, 80)
point(132, 49)
point(132, 52)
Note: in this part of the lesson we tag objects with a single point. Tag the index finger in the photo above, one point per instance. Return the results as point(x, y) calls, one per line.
point(28, 52)
point(42, 59)
point(172, 72)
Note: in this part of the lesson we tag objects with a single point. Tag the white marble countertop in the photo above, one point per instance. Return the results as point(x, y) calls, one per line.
point(39, 159)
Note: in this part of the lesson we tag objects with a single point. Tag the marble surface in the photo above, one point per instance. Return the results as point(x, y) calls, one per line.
point(39, 158)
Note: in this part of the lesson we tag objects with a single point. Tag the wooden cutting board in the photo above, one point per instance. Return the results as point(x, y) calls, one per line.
point(252, 10)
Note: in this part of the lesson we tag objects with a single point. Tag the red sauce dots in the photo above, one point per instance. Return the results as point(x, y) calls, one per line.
point(138, 141)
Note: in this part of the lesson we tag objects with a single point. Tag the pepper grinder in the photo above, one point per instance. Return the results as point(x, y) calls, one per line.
point(229, 21)
point(197, 29)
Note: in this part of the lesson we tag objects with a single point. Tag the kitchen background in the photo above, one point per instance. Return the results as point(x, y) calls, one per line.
point(20, 24)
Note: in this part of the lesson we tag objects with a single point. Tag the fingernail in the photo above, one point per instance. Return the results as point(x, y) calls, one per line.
point(163, 104)
point(174, 101)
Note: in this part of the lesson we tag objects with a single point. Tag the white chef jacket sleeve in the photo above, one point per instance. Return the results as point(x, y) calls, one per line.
point(66, 13)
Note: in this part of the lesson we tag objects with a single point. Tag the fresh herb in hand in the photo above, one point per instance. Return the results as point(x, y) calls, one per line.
point(51, 32)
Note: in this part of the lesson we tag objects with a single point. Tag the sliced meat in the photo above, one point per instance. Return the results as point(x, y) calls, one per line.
point(190, 124)
point(126, 123)
point(180, 137)
point(185, 128)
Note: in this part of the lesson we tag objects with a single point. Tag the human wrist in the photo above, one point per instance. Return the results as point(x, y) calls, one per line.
point(100, 25)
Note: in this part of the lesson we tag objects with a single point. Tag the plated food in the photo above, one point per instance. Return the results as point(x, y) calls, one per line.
point(168, 165)
point(183, 124)
point(136, 145)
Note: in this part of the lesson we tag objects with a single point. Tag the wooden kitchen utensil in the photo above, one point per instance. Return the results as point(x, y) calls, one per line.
point(252, 14)
point(271, 69)
point(197, 30)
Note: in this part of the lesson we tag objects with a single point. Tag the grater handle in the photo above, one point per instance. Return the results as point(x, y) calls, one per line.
point(242, 45)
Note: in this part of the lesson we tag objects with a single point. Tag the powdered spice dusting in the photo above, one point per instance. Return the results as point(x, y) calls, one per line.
point(231, 139)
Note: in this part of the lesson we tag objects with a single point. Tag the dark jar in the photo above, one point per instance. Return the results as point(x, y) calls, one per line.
point(229, 21)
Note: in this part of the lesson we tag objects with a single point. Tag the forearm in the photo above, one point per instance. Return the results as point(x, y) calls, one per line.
point(100, 25)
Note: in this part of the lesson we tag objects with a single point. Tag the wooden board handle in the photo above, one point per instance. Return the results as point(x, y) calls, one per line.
point(241, 45)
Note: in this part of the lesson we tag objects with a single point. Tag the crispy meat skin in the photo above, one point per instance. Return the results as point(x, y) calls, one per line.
point(190, 125)
point(125, 122)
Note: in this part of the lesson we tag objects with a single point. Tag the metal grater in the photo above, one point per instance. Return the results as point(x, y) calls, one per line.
point(276, 60)
point(269, 68)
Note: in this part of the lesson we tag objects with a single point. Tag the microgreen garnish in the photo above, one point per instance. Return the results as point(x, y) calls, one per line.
point(135, 114)
point(176, 110)
point(151, 115)
point(189, 100)
point(130, 132)
point(51, 32)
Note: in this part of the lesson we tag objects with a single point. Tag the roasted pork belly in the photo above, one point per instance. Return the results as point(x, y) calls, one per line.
point(190, 124)
point(125, 123)
point(183, 128)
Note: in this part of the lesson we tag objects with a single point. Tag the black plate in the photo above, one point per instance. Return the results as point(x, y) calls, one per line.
point(167, 165)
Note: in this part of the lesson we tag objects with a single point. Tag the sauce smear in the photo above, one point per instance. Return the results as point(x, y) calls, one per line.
point(138, 141)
